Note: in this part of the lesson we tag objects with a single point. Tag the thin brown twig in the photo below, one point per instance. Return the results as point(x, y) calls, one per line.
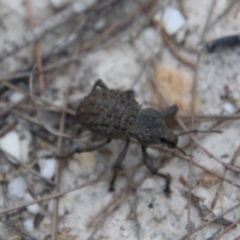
point(36, 47)
point(20, 105)
point(174, 51)
point(219, 189)
point(193, 95)
point(207, 24)
point(59, 147)
point(206, 118)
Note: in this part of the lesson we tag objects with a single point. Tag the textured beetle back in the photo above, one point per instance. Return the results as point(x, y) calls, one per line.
point(109, 113)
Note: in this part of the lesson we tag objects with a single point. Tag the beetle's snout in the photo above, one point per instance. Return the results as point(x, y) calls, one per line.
point(169, 139)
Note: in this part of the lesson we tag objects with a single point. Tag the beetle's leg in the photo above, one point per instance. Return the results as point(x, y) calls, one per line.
point(169, 111)
point(148, 161)
point(99, 83)
point(81, 149)
point(117, 165)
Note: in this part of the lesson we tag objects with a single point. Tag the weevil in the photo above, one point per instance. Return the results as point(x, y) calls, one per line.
point(117, 115)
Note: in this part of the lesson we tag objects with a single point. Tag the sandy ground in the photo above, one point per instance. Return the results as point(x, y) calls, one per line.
point(122, 45)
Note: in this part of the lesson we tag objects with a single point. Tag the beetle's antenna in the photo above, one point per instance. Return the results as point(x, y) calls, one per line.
point(179, 149)
point(199, 131)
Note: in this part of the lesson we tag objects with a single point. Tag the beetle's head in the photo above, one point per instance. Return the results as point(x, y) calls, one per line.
point(150, 128)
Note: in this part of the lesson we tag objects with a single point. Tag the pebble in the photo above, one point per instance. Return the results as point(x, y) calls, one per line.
point(11, 139)
point(172, 20)
point(229, 107)
point(150, 37)
point(17, 187)
point(47, 167)
point(175, 85)
point(208, 180)
point(34, 209)
point(100, 24)
point(148, 184)
point(83, 165)
point(28, 224)
point(16, 97)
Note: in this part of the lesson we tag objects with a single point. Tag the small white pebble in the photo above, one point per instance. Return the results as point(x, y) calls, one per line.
point(17, 187)
point(150, 37)
point(16, 97)
point(10, 144)
point(34, 209)
point(85, 164)
point(100, 24)
point(125, 234)
point(149, 183)
point(47, 167)
point(28, 224)
point(229, 107)
point(173, 20)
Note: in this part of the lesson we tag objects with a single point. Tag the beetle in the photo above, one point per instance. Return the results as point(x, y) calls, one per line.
point(116, 114)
